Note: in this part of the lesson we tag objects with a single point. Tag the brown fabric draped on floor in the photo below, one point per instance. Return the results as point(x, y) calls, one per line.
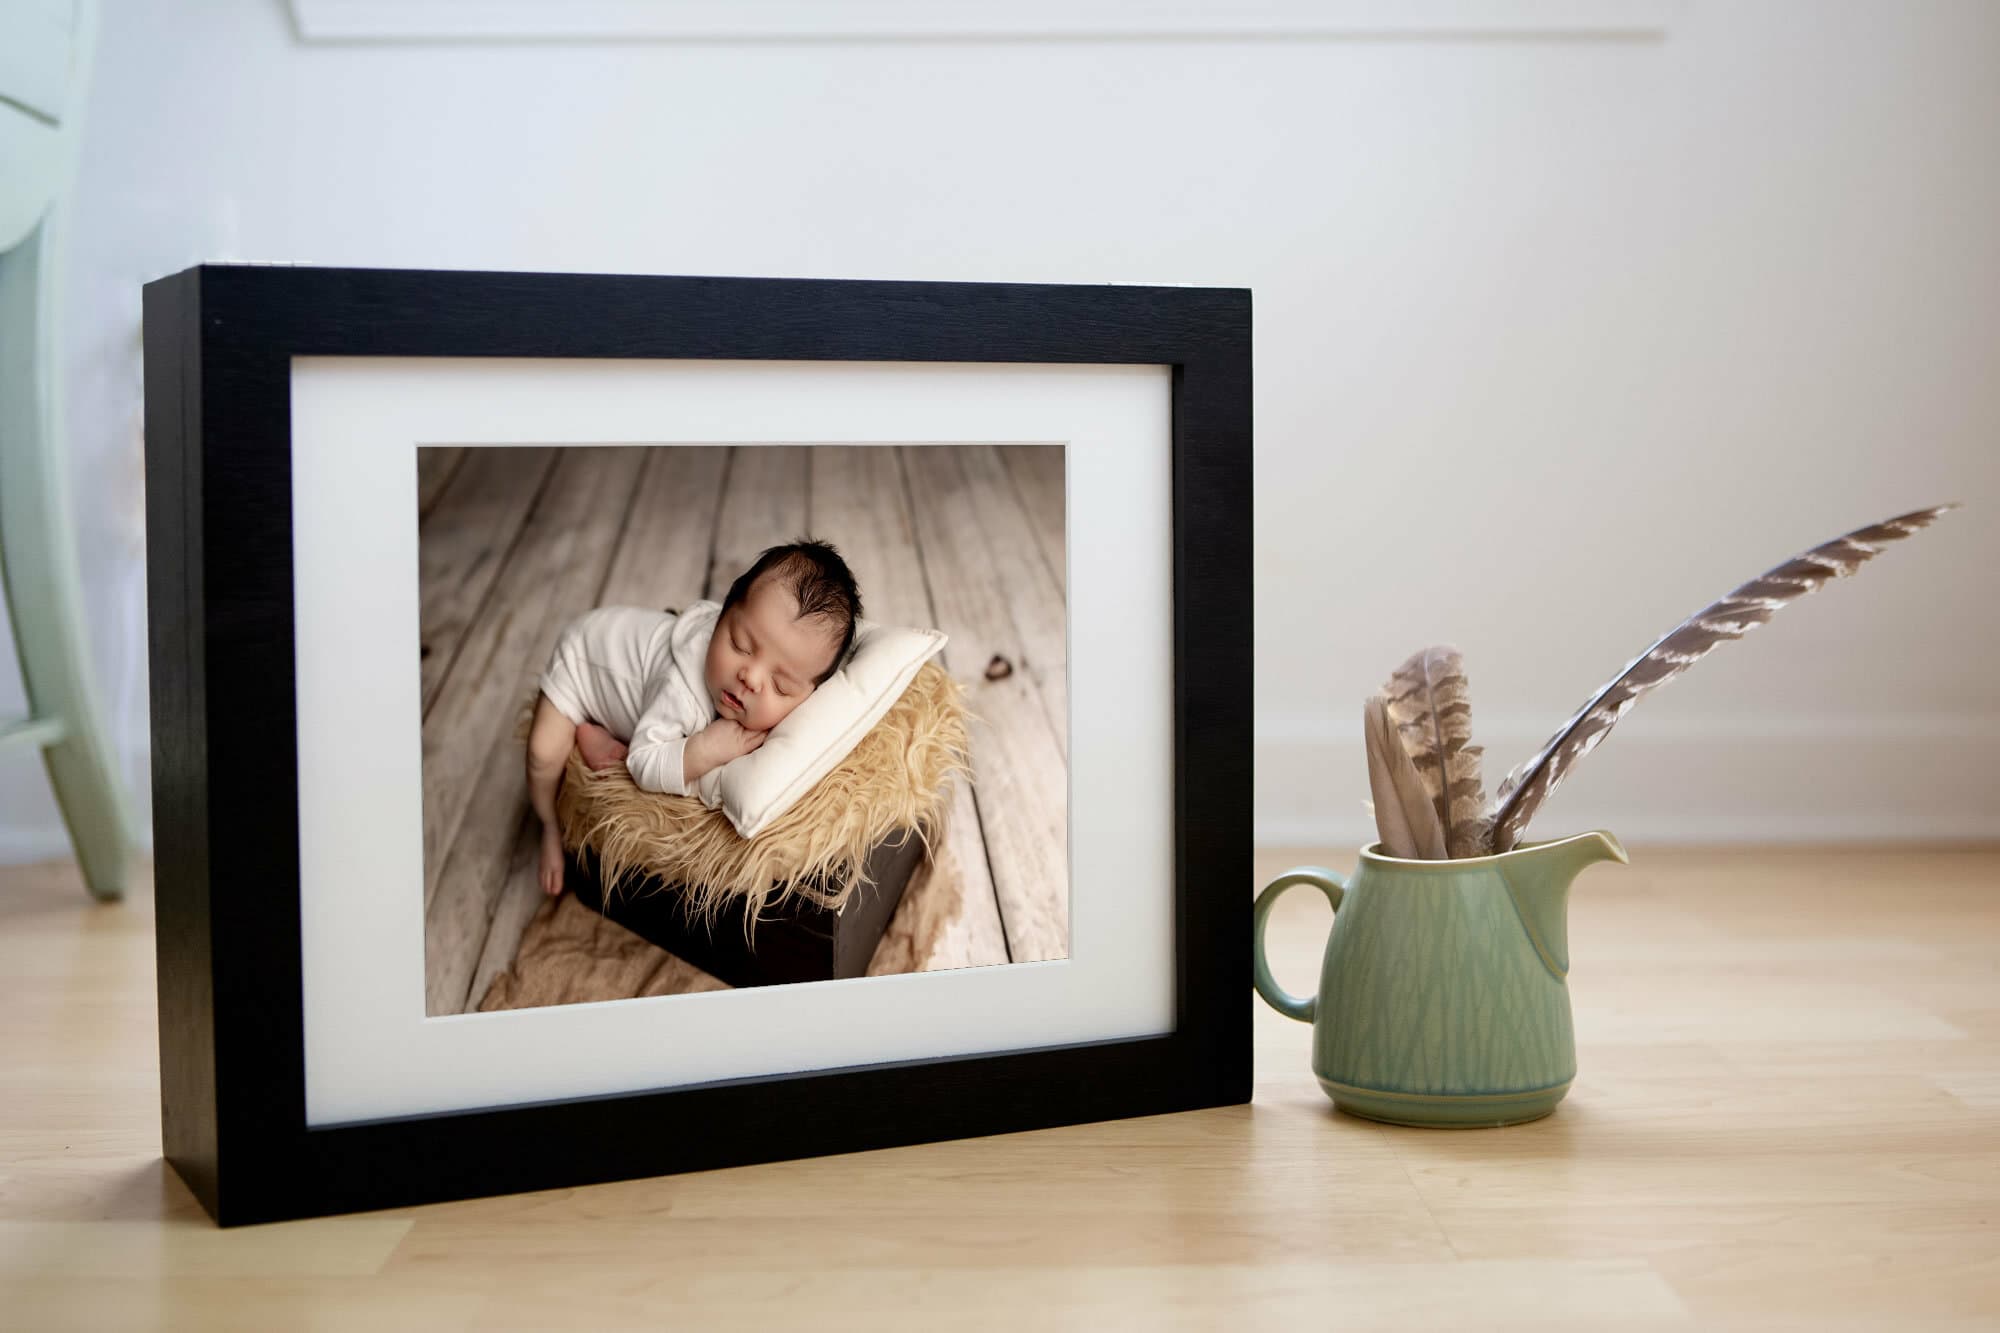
point(571, 955)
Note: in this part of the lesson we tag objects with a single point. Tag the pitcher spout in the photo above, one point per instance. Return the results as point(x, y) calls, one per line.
point(1588, 849)
point(1539, 882)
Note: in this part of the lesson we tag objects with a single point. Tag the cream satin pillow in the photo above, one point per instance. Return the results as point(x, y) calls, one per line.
point(757, 788)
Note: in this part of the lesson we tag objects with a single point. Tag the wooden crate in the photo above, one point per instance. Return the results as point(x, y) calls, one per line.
point(802, 943)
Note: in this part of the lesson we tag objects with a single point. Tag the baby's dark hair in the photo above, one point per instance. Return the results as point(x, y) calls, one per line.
point(821, 581)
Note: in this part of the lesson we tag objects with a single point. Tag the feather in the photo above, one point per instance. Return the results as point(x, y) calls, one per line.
point(1732, 617)
point(1404, 815)
point(1429, 705)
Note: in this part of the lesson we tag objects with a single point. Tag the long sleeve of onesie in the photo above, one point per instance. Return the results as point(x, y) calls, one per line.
point(655, 754)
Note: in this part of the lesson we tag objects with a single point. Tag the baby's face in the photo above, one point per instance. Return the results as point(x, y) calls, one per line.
point(763, 660)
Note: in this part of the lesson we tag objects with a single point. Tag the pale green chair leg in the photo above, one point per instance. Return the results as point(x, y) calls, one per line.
point(39, 572)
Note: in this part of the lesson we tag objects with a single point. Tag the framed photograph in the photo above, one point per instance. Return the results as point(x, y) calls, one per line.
point(611, 725)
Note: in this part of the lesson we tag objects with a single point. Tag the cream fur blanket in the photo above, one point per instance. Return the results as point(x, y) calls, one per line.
point(897, 778)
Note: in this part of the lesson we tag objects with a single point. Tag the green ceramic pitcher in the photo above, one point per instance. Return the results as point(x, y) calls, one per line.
point(1442, 998)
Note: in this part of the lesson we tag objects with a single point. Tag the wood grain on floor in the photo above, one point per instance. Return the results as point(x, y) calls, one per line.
point(1784, 1118)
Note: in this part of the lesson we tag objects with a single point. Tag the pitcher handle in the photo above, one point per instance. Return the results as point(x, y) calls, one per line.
point(1291, 1006)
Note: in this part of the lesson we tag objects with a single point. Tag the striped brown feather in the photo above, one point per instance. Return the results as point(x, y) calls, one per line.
point(1430, 705)
point(1735, 615)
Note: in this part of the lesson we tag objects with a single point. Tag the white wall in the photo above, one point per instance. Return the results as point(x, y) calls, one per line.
point(1556, 340)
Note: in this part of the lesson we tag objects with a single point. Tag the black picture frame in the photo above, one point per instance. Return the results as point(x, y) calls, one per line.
point(219, 340)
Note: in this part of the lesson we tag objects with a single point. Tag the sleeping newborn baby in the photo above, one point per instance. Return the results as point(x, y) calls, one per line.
point(673, 696)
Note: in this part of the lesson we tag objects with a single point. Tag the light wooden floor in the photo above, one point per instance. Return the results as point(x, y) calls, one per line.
point(1787, 1116)
point(516, 542)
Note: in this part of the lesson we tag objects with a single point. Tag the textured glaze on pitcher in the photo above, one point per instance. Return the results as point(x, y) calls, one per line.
point(1442, 998)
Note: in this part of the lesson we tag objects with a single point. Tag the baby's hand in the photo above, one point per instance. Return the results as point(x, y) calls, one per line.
point(729, 739)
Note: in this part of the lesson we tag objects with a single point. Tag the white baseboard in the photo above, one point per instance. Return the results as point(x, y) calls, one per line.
point(24, 846)
point(37, 834)
point(20, 846)
point(1773, 780)
point(1769, 780)
point(1655, 829)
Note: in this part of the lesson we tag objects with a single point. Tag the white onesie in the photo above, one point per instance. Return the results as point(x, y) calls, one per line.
point(640, 674)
